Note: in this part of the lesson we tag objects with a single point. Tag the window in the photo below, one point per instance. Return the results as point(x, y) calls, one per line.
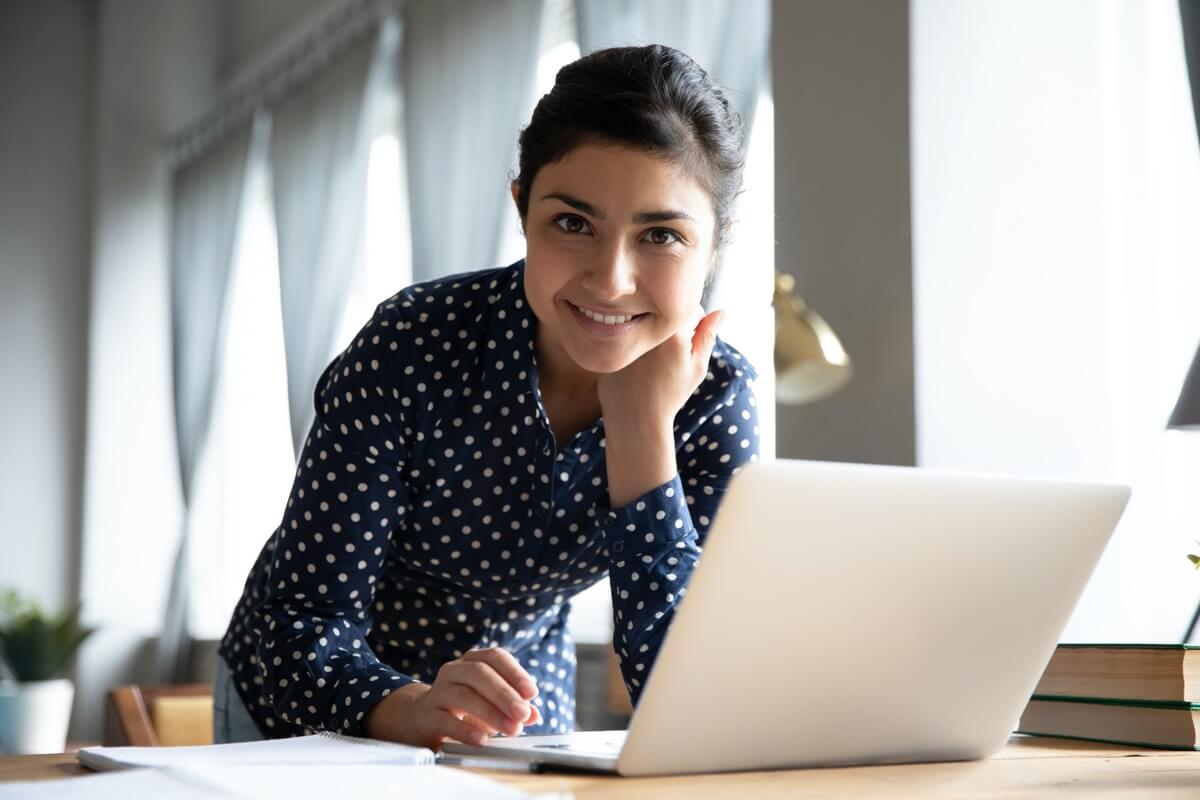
point(246, 471)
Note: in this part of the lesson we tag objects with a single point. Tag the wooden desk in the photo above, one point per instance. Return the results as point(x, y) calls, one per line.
point(1027, 768)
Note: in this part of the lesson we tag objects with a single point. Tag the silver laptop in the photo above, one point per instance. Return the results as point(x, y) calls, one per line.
point(845, 614)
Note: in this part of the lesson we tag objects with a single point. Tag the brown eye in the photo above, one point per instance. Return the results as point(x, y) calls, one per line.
point(571, 223)
point(663, 236)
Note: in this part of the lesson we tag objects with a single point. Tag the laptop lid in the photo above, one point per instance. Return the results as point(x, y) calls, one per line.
point(850, 614)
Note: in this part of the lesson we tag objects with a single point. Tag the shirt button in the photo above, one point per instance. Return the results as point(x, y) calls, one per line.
point(545, 451)
point(617, 547)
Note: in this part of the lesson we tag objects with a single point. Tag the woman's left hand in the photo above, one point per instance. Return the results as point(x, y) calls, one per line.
point(639, 404)
point(643, 398)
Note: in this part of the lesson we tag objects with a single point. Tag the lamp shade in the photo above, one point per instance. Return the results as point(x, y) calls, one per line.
point(1187, 407)
point(810, 362)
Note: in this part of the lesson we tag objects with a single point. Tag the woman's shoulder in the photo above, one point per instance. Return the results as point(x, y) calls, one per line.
point(729, 383)
point(452, 297)
point(434, 331)
point(729, 368)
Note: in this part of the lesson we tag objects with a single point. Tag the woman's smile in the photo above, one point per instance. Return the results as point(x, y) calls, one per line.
point(602, 324)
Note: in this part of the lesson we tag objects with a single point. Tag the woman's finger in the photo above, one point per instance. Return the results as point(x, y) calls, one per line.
point(508, 668)
point(483, 679)
point(447, 724)
point(465, 699)
point(706, 334)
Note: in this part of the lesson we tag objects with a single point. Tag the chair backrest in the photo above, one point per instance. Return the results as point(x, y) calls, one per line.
point(161, 715)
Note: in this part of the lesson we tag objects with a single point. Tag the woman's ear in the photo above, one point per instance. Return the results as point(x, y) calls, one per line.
point(514, 188)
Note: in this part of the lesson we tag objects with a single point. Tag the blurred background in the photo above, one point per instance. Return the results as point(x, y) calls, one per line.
point(994, 204)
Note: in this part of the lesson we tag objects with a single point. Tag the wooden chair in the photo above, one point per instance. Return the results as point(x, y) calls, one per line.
point(163, 715)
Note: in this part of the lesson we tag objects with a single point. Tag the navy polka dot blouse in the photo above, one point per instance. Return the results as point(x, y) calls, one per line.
point(432, 513)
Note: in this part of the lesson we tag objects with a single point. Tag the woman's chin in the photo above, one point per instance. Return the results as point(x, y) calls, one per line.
point(601, 364)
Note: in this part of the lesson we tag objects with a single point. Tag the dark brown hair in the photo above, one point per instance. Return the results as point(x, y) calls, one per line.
point(654, 98)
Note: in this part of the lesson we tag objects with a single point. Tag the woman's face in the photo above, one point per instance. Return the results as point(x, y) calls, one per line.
point(618, 247)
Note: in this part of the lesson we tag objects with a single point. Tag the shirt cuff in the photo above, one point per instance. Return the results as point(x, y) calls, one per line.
point(360, 692)
point(658, 518)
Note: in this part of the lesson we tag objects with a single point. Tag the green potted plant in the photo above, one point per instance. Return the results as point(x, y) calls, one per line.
point(36, 698)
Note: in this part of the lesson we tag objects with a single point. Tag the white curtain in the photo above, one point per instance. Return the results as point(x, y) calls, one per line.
point(468, 71)
point(726, 37)
point(206, 206)
point(320, 143)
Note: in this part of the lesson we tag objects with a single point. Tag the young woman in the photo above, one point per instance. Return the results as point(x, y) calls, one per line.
point(493, 443)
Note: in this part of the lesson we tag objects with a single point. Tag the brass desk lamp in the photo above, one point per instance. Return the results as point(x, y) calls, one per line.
point(810, 362)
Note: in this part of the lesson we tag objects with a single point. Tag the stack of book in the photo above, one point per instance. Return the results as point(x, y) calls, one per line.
point(1138, 694)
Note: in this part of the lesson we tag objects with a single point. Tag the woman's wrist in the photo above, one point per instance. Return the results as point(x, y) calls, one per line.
point(388, 719)
point(638, 462)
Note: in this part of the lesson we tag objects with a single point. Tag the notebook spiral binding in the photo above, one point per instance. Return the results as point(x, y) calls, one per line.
point(422, 756)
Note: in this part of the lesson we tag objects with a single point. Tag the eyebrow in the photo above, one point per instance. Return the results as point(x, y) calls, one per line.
point(639, 218)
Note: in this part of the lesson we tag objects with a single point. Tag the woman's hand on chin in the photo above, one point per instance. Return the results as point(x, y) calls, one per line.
point(639, 404)
point(646, 395)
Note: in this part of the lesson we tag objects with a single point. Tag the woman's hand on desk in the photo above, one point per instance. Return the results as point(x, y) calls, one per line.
point(479, 695)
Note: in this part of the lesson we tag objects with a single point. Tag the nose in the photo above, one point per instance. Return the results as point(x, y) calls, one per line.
point(611, 275)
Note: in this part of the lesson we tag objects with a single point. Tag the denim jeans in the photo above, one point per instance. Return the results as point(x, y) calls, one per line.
point(231, 719)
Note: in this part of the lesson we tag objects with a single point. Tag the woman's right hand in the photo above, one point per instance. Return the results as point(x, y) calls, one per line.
point(479, 695)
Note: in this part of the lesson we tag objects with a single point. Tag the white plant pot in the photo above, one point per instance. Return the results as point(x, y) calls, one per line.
point(34, 717)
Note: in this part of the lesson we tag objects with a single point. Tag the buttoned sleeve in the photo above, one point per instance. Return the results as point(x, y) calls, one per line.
point(316, 668)
point(654, 542)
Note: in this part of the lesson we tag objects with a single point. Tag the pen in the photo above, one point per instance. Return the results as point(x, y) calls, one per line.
point(487, 763)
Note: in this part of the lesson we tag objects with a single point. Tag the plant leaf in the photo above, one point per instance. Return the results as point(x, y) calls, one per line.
point(37, 646)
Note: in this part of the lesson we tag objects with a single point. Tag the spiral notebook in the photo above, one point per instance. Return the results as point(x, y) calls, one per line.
point(319, 748)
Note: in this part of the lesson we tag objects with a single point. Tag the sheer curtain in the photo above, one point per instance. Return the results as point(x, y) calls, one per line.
point(206, 208)
point(1189, 16)
point(1189, 13)
point(727, 37)
point(319, 150)
point(468, 71)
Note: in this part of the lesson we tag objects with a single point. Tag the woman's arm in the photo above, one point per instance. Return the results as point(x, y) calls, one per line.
point(311, 619)
point(640, 403)
point(654, 542)
point(310, 626)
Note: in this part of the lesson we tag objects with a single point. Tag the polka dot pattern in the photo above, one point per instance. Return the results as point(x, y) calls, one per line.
point(433, 513)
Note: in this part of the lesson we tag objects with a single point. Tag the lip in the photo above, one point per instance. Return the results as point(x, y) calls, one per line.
point(599, 329)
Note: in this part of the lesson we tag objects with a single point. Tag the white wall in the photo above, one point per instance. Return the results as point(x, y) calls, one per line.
point(840, 80)
point(1056, 189)
point(45, 172)
point(156, 63)
point(1008, 187)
